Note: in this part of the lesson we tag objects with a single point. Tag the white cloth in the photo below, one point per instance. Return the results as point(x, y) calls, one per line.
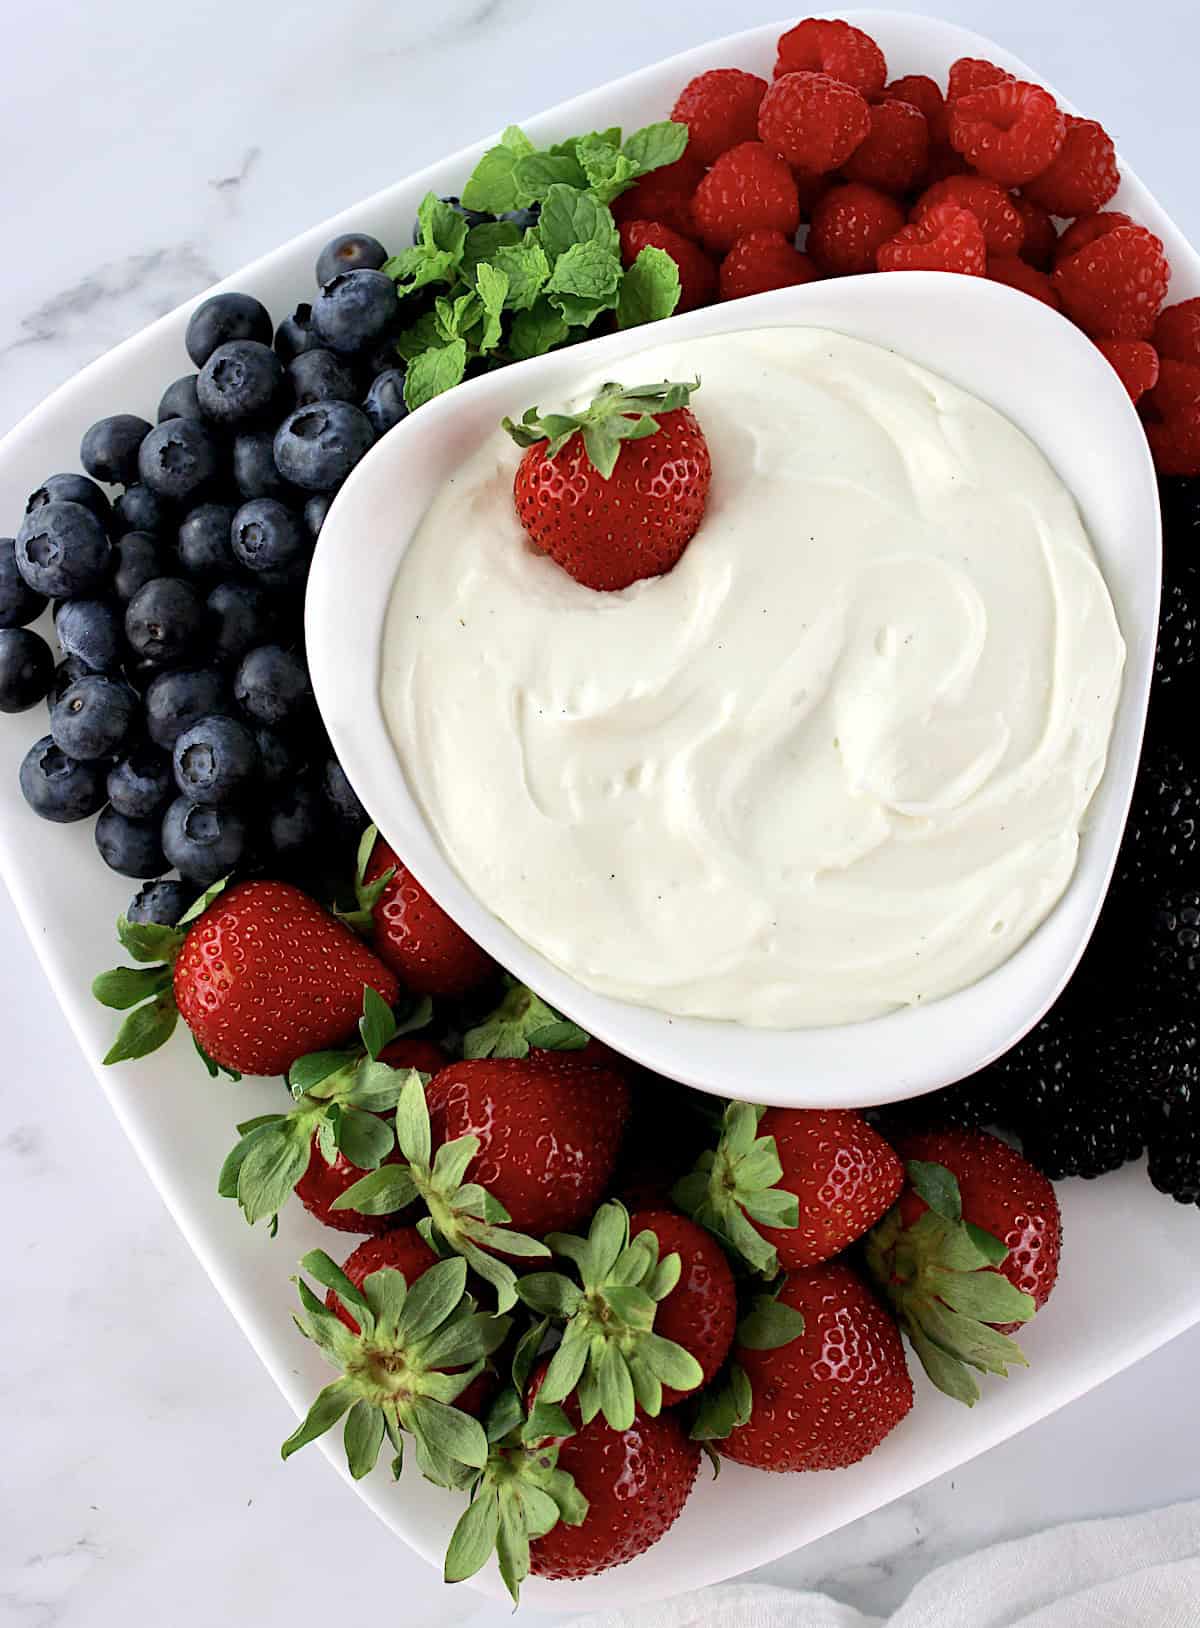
point(1138, 1571)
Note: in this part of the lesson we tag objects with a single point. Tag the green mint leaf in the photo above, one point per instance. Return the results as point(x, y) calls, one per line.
point(649, 289)
point(656, 145)
point(485, 242)
point(580, 311)
point(420, 266)
point(769, 1324)
point(591, 271)
point(377, 1026)
point(491, 186)
point(609, 171)
point(147, 941)
point(536, 331)
point(433, 373)
point(124, 987)
point(527, 269)
point(144, 1030)
point(442, 227)
point(539, 173)
point(570, 217)
point(515, 139)
point(937, 1186)
point(492, 287)
point(424, 335)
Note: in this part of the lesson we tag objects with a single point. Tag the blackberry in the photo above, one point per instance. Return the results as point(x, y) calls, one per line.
point(1162, 837)
point(1173, 1142)
point(1172, 966)
point(1176, 666)
point(980, 1101)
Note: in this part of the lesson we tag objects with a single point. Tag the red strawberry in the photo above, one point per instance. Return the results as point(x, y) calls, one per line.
point(1177, 332)
point(1040, 238)
point(896, 151)
point(748, 187)
point(266, 975)
point(830, 1395)
point(323, 1184)
point(973, 73)
point(614, 494)
point(823, 45)
point(761, 261)
point(1115, 286)
point(1007, 268)
point(665, 195)
point(968, 1254)
point(1083, 177)
point(922, 92)
point(1003, 227)
point(720, 109)
point(1009, 131)
point(697, 274)
point(794, 1187)
point(1136, 362)
point(1088, 229)
point(700, 1313)
point(813, 121)
point(412, 934)
point(394, 1375)
point(548, 1134)
point(946, 238)
point(849, 226)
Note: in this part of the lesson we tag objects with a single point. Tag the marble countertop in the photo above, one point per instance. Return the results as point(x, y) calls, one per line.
point(156, 154)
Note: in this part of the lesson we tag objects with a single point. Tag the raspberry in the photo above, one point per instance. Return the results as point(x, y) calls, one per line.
point(697, 274)
point(1177, 388)
point(1010, 131)
point(943, 163)
point(836, 49)
point(720, 109)
point(664, 195)
point(946, 239)
point(1040, 236)
point(1171, 414)
point(763, 260)
point(894, 155)
point(1135, 361)
point(1083, 177)
point(1007, 268)
point(973, 73)
point(1114, 288)
point(810, 189)
point(919, 91)
point(813, 121)
point(1003, 228)
point(1087, 230)
point(748, 187)
point(849, 225)
point(1177, 332)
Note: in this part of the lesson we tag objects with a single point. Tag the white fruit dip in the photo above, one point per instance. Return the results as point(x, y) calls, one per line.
point(835, 762)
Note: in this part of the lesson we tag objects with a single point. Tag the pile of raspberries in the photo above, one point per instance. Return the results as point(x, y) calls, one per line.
point(988, 179)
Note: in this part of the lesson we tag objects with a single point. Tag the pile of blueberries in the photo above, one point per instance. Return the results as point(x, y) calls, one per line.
point(180, 705)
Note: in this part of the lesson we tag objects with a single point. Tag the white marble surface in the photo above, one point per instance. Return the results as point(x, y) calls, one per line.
point(144, 157)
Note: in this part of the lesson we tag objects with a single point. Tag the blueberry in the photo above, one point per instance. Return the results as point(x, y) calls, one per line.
point(295, 335)
point(523, 218)
point(315, 510)
point(175, 700)
point(26, 669)
point(294, 823)
point(94, 717)
point(271, 686)
point(142, 784)
point(319, 375)
point(203, 844)
point(109, 449)
point(72, 488)
point(254, 471)
point(132, 847)
point(385, 405)
point(164, 620)
point(204, 549)
point(19, 604)
point(178, 459)
point(222, 318)
point(215, 761)
point(473, 217)
point(354, 310)
point(160, 904)
point(342, 798)
point(137, 558)
point(276, 760)
point(139, 509)
point(266, 537)
point(62, 551)
point(179, 400)
point(352, 251)
point(240, 383)
point(68, 670)
point(57, 787)
point(242, 616)
point(90, 629)
point(380, 358)
point(317, 447)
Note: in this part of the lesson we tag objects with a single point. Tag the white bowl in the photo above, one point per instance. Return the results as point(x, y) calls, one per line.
point(1117, 1231)
point(981, 335)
